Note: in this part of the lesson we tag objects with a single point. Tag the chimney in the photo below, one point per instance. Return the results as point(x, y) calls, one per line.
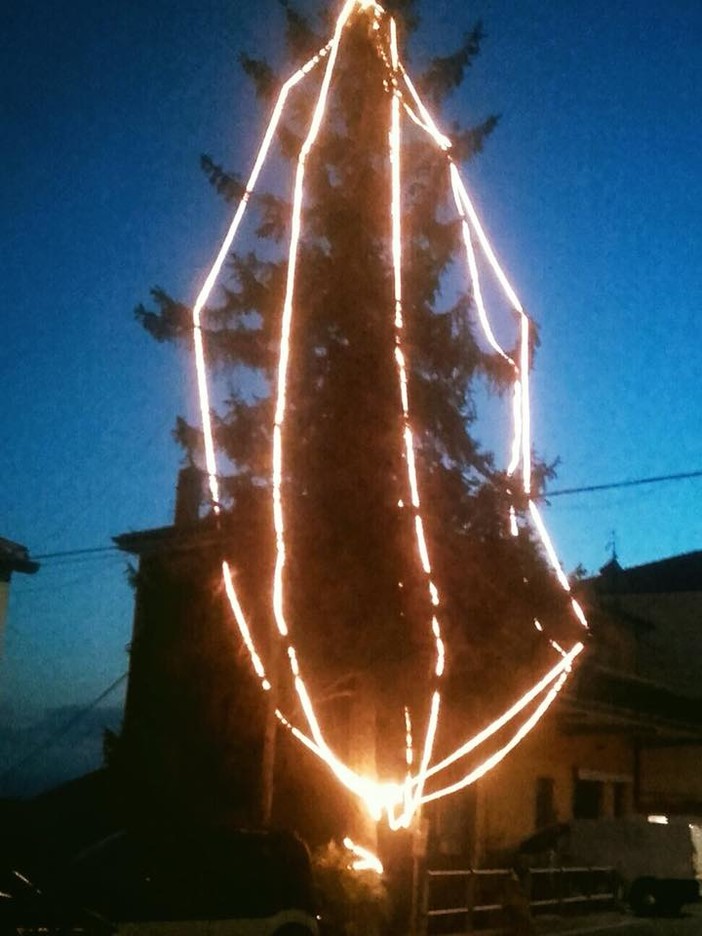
point(188, 496)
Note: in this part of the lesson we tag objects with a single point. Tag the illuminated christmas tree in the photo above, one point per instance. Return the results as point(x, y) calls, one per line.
point(394, 559)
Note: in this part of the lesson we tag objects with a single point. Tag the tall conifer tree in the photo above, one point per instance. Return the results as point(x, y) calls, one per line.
point(358, 602)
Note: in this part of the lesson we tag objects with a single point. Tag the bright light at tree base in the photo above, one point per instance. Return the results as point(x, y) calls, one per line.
point(365, 860)
point(397, 803)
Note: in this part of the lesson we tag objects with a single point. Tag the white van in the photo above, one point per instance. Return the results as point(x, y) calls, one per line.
point(239, 883)
point(658, 860)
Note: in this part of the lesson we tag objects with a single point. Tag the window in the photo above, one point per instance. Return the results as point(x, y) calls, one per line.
point(545, 814)
point(587, 799)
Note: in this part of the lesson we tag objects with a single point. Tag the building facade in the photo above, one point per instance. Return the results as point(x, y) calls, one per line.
point(626, 736)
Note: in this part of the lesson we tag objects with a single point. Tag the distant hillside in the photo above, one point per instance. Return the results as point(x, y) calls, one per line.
point(42, 750)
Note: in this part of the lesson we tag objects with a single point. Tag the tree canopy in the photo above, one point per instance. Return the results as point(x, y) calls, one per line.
point(358, 602)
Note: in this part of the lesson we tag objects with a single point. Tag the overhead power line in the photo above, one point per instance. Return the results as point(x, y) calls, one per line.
point(63, 730)
point(90, 550)
point(560, 492)
point(635, 482)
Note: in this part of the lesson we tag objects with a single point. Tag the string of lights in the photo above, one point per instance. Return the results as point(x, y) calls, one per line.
point(410, 462)
point(397, 801)
point(632, 482)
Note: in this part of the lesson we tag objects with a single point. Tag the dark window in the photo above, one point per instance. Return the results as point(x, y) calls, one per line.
point(545, 808)
point(587, 799)
point(452, 823)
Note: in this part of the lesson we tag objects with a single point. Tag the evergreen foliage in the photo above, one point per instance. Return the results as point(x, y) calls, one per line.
point(358, 603)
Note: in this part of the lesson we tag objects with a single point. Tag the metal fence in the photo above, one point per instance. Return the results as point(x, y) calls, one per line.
point(462, 900)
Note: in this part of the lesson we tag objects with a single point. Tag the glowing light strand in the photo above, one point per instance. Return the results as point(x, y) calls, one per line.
point(509, 715)
point(386, 799)
point(200, 363)
point(548, 544)
point(424, 561)
point(473, 269)
point(409, 744)
point(424, 767)
point(427, 121)
point(465, 209)
point(410, 461)
point(518, 432)
point(212, 276)
point(521, 445)
point(521, 408)
point(365, 859)
point(379, 797)
point(409, 760)
point(517, 427)
point(525, 421)
point(242, 623)
point(203, 393)
point(396, 221)
point(524, 329)
point(485, 244)
point(521, 449)
point(500, 755)
point(286, 325)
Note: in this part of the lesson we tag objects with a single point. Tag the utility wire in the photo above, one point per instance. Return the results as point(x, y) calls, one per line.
point(91, 550)
point(63, 730)
point(561, 492)
point(624, 484)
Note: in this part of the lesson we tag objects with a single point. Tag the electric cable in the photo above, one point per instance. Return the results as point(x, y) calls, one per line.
point(63, 730)
point(634, 482)
point(560, 492)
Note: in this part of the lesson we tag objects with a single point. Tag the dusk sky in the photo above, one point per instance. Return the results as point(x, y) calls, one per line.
point(590, 188)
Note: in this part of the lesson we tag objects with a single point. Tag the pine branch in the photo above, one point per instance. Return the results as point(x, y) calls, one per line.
point(264, 78)
point(469, 143)
point(226, 184)
point(445, 73)
point(301, 38)
point(172, 321)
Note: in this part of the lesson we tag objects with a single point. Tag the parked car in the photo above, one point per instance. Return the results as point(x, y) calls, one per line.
point(27, 910)
point(239, 883)
point(657, 863)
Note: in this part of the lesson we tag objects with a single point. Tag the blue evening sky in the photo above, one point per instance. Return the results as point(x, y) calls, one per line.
point(591, 189)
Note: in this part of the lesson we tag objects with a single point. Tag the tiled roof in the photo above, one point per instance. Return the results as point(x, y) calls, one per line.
point(681, 573)
point(629, 693)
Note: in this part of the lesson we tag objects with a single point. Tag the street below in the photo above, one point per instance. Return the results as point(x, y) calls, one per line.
point(689, 923)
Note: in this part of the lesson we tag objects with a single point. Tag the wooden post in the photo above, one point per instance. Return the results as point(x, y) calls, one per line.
point(422, 924)
point(470, 899)
point(270, 738)
point(420, 833)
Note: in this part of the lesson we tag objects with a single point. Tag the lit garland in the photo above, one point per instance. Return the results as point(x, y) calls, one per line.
point(364, 860)
point(398, 802)
point(396, 220)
